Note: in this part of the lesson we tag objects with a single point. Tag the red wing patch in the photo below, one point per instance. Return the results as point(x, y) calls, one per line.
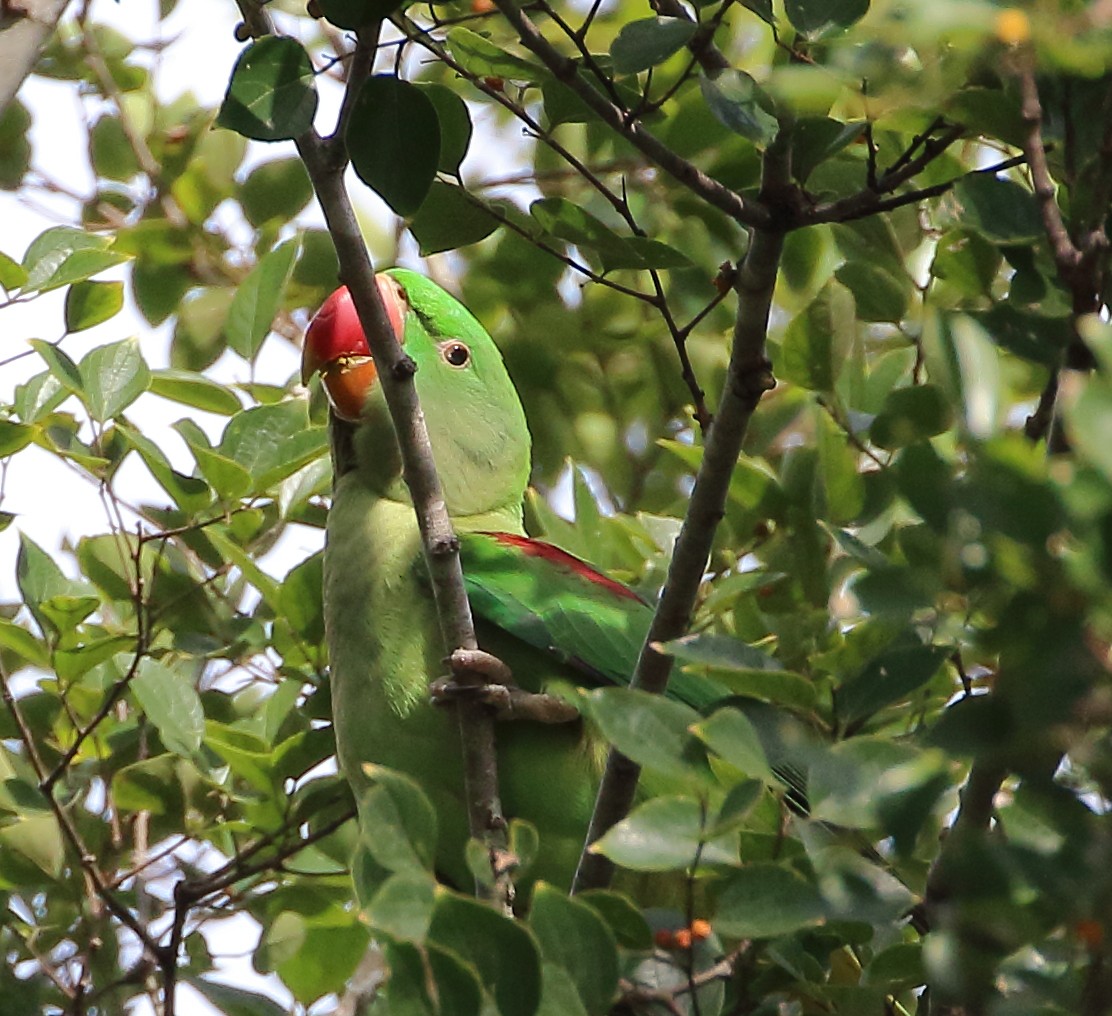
point(561, 558)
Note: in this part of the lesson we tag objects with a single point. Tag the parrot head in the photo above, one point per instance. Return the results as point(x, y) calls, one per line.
point(474, 417)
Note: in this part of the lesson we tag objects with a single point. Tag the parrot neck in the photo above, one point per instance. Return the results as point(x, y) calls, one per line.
point(475, 488)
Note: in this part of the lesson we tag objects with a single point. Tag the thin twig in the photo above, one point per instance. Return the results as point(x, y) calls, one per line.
point(566, 70)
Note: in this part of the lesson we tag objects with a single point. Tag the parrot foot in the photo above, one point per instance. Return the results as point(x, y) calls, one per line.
point(508, 701)
point(498, 691)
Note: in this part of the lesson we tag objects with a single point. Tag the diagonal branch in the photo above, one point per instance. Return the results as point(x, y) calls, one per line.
point(748, 378)
point(325, 161)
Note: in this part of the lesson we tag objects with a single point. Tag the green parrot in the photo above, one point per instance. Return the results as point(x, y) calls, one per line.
point(556, 621)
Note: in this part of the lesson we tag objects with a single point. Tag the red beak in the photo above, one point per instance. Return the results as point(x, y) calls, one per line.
point(336, 348)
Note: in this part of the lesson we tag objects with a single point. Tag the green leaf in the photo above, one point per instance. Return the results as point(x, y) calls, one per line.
point(762, 8)
point(20, 641)
point(878, 294)
point(911, 414)
point(818, 19)
point(455, 125)
point(765, 900)
point(15, 145)
point(113, 377)
point(231, 1000)
point(257, 300)
point(500, 949)
point(650, 729)
point(842, 484)
point(171, 703)
point(666, 834)
point(273, 442)
point(559, 996)
point(272, 95)
point(966, 261)
point(61, 366)
point(275, 190)
point(38, 577)
point(190, 494)
point(397, 821)
point(817, 341)
point(569, 221)
point(402, 908)
point(194, 390)
point(110, 152)
point(12, 273)
point(483, 58)
point(739, 104)
point(64, 255)
point(394, 141)
point(720, 652)
point(14, 436)
point(91, 303)
point(152, 784)
point(848, 785)
point(573, 936)
point(729, 733)
point(449, 219)
point(645, 43)
point(39, 839)
point(625, 920)
point(888, 678)
point(815, 139)
point(228, 478)
point(352, 14)
point(1000, 210)
point(1035, 337)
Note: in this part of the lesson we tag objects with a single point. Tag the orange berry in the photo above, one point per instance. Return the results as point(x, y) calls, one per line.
point(482, 6)
point(1090, 932)
point(683, 938)
point(700, 929)
point(1013, 27)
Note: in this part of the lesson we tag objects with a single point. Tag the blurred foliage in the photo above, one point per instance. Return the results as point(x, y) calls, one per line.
point(909, 593)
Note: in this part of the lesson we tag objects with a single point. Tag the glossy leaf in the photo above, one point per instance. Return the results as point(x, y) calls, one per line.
point(650, 729)
point(394, 141)
point(666, 834)
point(574, 937)
point(449, 219)
point(767, 900)
point(738, 103)
point(113, 377)
point(645, 43)
point(171, 703)
point(92, 303)
point(818, 19)
point(272, 95)
point(257, 300)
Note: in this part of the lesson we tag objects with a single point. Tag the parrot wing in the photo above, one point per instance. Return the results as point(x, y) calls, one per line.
point(562, 606)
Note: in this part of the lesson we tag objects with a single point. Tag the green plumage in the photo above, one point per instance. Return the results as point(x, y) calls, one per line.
point(553, 620)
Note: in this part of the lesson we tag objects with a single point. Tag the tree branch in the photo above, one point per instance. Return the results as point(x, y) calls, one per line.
point(748, 378)
point(1066, 255)
point(694, 179)
point(33, 22)
point(325, 161)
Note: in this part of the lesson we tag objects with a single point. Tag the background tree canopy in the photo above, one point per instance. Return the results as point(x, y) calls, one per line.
point(908, 586)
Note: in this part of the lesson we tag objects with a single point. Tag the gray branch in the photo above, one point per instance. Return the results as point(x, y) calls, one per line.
point(24, 30)
point(325, 161)
point(748, 378)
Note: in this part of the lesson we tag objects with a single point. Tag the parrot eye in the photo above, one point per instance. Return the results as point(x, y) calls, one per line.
point(456, 354)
